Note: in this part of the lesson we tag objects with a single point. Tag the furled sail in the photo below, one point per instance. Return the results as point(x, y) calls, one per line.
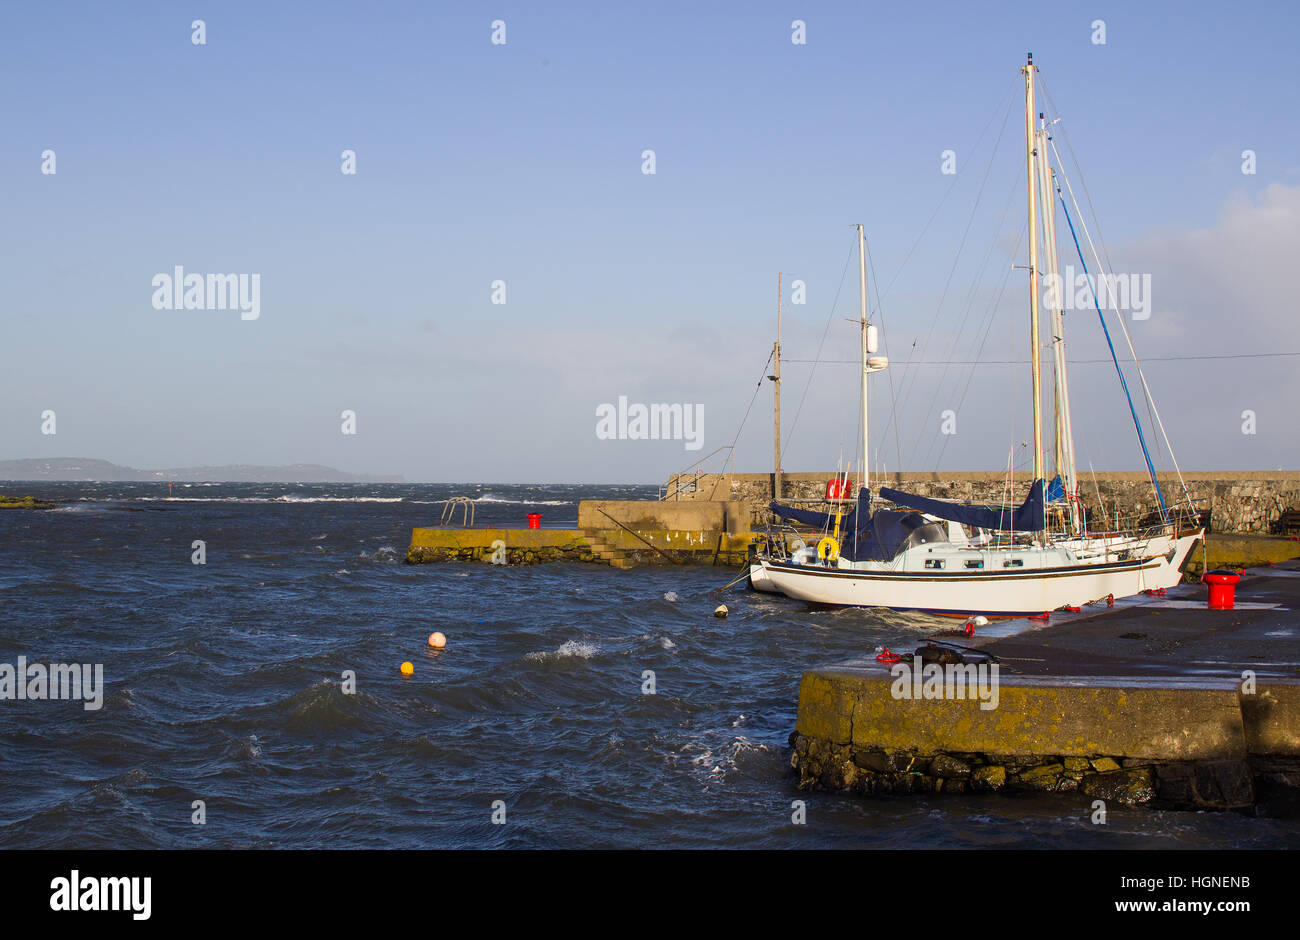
point(826, 520)
point(1030, 517)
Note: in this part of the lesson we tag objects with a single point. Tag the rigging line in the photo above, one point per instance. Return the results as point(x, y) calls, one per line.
point(948, 192)
point(1096, 221)
point(1152, 411)
point(969, 306)
point(811, 372)
point(752, 399)
point(1164, 513)
point(1073, 362)
point(990, 316)
point(908, 387)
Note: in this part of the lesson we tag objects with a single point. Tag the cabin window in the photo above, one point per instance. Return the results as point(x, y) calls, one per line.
point(934, 562)
point(978, 563)
point(1014, 563)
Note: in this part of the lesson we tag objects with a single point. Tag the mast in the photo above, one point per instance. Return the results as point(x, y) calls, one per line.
point(1031, 165)
point(776, 397)
point(866, 369)
point(1064, 437)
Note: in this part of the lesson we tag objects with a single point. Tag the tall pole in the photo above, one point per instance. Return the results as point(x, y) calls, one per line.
point(1064, 427)
point(776, 396)
point(863, 471)
point(1031, 165)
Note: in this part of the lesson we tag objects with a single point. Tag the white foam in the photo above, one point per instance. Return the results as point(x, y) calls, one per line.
point(569, 648)
point(524, 502)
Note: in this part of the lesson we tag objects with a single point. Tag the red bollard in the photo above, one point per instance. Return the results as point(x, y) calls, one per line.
point(1223, 588)
point(534, 520)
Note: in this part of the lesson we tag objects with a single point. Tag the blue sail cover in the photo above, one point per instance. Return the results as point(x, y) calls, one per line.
point(878, 537)
point(1030, 517)
point(1055, 490)
point(826, 520)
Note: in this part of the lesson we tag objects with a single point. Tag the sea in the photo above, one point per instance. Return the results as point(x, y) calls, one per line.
point(256, 700)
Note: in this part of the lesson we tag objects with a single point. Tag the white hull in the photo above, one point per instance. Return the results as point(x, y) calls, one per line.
point(991, 592)
point(759, 579)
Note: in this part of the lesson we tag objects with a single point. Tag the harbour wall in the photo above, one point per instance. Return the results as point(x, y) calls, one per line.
point(1240, 501)
point(646, 538)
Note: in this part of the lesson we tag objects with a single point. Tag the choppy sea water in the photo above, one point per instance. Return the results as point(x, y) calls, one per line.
point(224, 683)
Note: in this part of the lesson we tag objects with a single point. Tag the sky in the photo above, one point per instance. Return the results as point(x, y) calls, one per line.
point(522, 162)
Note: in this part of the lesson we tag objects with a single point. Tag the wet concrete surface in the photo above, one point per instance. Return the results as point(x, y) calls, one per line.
point(1175, 639)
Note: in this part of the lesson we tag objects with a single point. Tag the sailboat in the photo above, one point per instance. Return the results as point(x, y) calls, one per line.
point(962, 559)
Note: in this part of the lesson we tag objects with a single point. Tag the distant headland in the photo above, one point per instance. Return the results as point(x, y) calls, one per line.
point(87, 469)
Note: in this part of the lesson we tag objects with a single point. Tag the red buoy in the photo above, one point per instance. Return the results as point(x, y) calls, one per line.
point(534, 520)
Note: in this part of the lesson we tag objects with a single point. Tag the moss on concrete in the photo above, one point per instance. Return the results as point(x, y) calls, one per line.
point(24, 502)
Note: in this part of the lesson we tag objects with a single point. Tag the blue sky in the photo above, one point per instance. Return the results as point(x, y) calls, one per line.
point(522, 162)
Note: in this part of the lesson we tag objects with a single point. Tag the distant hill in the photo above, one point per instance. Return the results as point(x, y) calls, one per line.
point(87, 469)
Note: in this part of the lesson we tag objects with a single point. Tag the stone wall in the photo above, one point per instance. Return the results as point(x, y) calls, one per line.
point(1240, 501)
point(1224, 784)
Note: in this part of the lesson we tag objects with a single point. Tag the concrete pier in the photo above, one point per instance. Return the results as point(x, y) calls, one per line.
point(619, 533)
point(1158, 699)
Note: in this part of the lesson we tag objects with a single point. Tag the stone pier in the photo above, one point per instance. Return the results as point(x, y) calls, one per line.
point(1156, 700)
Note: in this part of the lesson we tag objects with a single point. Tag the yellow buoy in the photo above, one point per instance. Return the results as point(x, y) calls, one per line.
point(828, 549)
point(721, 611)
point(408, 669)
point(437, 640)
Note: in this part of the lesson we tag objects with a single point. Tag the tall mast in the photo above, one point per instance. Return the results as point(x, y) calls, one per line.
point(1065, 465)
point(1031, 165)
point(776, 397)
point(866, 369)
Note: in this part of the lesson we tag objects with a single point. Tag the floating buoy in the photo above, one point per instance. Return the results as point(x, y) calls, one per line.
point(437, 640)
point(408, 669)
point(970, 627)
point(1043, 616)
point(885, 656)
point(721, 611)
point(1110, 600)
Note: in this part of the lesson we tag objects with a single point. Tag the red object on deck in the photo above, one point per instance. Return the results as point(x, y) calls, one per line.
point(534, 520)
point(1223, 588)
point(835, 488)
